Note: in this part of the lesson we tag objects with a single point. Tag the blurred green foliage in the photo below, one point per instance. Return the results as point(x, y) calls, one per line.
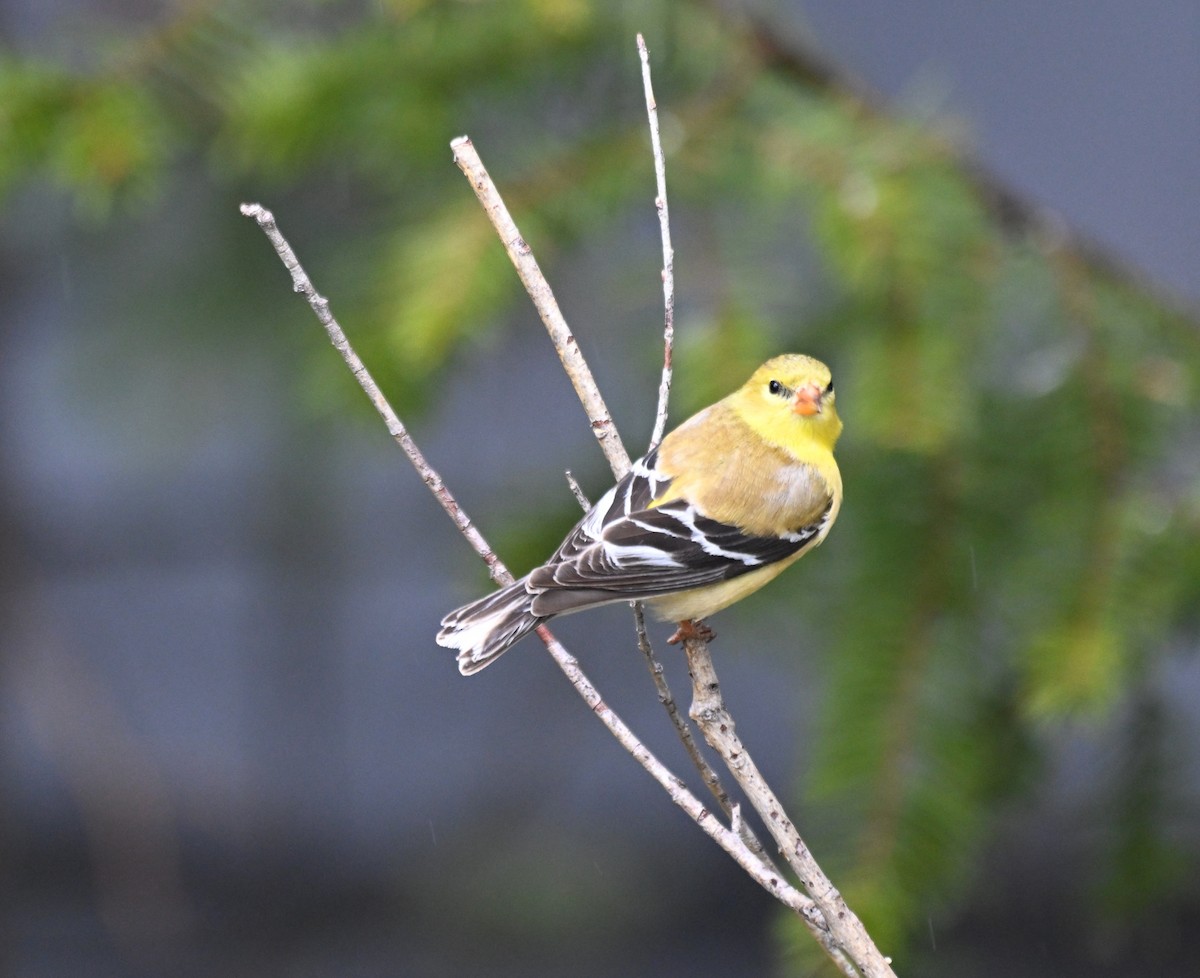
point(1020, 550)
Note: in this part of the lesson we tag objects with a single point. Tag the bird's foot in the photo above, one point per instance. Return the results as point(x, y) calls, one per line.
point(692, 629)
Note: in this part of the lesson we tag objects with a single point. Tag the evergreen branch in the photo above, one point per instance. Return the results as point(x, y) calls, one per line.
point(783, 52)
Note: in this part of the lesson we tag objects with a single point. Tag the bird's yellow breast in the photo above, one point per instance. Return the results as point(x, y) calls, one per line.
point(704, 601)
point(718, 462)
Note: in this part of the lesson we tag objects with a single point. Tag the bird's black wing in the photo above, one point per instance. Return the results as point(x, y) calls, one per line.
point(627, 548)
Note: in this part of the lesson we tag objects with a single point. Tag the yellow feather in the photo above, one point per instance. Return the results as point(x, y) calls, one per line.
point(704, 601)
point(753, 462)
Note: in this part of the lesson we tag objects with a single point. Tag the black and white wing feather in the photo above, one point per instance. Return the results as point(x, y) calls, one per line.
point(628, 549)
point(625, 549)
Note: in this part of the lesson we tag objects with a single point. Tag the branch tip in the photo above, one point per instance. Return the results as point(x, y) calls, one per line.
point(668, 266)
point(467, 158)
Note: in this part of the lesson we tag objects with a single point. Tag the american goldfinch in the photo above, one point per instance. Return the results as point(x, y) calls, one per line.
point(729, 499)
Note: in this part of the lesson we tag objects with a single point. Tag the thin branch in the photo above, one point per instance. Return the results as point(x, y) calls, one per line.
point(577, 491)
point(708, 774)
point(708, 708)
point(547, 306)
point(468, 160)
point(320, 305)
point(715, 722)
point(668, 269)
point(761, 872)
point(836, 929)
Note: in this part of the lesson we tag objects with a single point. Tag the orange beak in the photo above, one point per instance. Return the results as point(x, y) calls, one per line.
point(808, 401)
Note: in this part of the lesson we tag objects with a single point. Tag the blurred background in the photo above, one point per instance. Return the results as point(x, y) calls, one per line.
point(229, 743)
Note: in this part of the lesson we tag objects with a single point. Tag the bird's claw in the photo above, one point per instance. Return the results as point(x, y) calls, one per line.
point(692, 629)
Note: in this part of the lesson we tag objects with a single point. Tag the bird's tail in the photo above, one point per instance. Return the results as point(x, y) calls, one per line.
point(489, 627)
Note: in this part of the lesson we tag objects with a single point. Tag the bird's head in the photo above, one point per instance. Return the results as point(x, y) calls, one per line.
point(792, 396)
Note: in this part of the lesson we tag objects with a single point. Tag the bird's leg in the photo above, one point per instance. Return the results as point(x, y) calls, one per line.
point(691, 629)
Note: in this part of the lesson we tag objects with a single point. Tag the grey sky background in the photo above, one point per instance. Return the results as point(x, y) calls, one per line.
point(1091, 109)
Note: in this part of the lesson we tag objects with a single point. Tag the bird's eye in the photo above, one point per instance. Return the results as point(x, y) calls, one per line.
point(775, 387)
point(829, 388)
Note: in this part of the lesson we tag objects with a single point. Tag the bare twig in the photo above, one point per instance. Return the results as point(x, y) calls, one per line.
point(320, 305)
point(708, 774)
point(715, 722)
point(577, 491)
point(668, 269)
point(547, 306)
point(708, 709)
point(837, 930)
point(835, 935)
point(730, 841)
point(759, 869)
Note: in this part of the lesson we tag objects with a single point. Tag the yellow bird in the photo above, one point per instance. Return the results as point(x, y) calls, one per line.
point(728, 500)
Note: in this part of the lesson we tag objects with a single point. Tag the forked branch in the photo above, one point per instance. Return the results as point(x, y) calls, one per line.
point(729, 840)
